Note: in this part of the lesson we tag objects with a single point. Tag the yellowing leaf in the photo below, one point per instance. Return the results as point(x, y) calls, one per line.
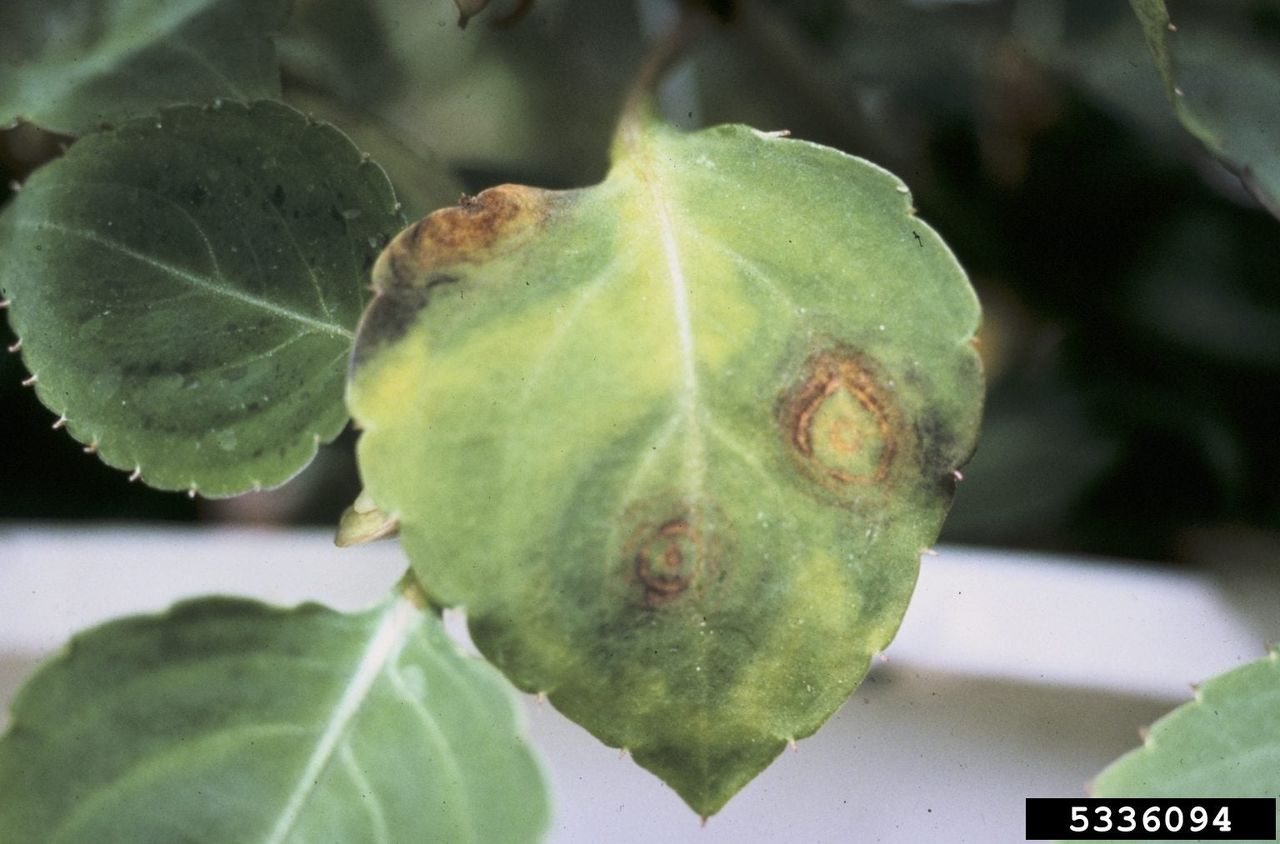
point(677, 440)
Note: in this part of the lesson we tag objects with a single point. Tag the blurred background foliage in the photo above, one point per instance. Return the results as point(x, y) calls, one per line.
point(1131, 284)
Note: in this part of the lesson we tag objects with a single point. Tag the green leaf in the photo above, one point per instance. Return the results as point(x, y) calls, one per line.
point(422, 181)
point(677, 440)
point(540, 97)
point(186, 290)
point(1224, 91)
point(227, 720)
point(71, 65)
point(1225, 743)
point(340, 47)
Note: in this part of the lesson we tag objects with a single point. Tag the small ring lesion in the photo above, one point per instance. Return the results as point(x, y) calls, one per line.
point(675, 557)
point(668, 560)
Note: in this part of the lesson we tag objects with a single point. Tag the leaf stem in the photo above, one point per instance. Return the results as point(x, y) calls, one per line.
point(663, 54)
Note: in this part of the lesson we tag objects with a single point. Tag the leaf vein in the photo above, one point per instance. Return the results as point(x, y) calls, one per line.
point(187, 276)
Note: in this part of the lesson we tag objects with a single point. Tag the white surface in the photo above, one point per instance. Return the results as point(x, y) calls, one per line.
point(1013, 676)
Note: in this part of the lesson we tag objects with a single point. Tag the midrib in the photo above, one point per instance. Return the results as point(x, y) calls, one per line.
point(682, 317)
point(383, 649)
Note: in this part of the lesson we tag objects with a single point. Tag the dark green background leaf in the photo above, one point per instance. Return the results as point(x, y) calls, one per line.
point(70, 65)
point(186, 289)
point(1226, 91)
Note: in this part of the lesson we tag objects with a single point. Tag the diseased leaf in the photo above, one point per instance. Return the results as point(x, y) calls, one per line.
point(677, 440)
point(70, 65)
point(226, 720)
point(186, 290)
point(1225, 743)
point(1225, 91)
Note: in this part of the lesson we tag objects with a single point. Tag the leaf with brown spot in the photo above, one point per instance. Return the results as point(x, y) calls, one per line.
point(676, 440)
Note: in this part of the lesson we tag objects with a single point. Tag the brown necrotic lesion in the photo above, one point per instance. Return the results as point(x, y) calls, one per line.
point(668, 561)
point(676, 557)
point(839, 422)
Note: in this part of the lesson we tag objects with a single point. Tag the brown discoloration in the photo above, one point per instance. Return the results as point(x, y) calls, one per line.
point(477, 229)
point(667, 561)
point(391, 314)
point(672, 558)
point(826, 374)
point(437, 250)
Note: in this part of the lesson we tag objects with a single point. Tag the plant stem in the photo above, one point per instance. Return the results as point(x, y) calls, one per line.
point(664, 53)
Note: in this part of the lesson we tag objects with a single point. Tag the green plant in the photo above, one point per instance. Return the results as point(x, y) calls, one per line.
point(675, 440)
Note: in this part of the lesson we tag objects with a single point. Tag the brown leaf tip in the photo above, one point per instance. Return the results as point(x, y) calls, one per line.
point(838, 421)
point(469, 231)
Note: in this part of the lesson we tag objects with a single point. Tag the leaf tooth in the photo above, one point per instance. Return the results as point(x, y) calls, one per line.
point(14, 348)
point(30, 382)
point(930, 552)
point(792, 746)
point(60, 422)
point(192, 490)
point(135, 474)
point(15, 185)
point(4, 304)
point(92, 447)
point(958, 475)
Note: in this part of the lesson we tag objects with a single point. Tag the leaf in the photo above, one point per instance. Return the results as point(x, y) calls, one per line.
point(340, 47)
point(227, 720)
point(1225, 743)
point(677, 440)
point(422, 181)
point(71, 65)
point(481, 98)
point(1224, 91)
point(186, 290)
